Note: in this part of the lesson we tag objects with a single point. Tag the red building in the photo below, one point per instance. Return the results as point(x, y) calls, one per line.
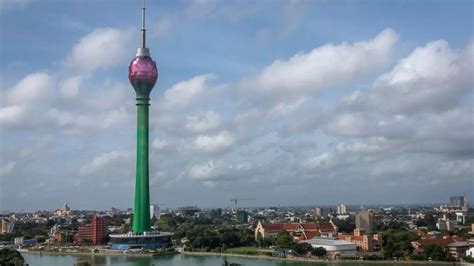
point(299, 231)
point(93, 233)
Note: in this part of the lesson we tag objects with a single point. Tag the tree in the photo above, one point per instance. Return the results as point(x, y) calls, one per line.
point(284, 240)
point(436, 252)
point(11, 257)
point(303, 248)
point(397, 243)
point(319, 252)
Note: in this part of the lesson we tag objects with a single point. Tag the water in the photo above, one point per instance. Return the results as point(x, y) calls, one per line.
point(179, 260)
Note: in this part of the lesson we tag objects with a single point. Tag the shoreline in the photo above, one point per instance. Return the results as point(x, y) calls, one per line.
point(188, 253)
point(311, 260)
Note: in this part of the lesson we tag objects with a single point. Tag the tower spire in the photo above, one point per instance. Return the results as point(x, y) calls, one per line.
point(143, 26)
point(143, 51)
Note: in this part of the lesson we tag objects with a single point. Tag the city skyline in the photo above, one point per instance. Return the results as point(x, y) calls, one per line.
point(288, 102)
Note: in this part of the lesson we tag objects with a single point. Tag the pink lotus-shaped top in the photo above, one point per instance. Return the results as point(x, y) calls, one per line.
point(143, 73)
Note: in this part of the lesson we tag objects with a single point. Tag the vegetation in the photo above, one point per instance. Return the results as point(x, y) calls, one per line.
point(11, 257)
point(345, 225)
point(206, 234)
point(397, 243)
point(434, 252)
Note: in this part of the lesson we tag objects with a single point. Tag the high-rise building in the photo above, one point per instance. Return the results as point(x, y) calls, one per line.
point(341, 209)
point(457, 201)
point(365, 221)
point(155, 211)
point(6, 226)
point(93, 233)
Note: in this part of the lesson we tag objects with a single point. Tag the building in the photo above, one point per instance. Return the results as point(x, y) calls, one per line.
point(365, 221)
point(457, 201)
point(418, 245)
point(470, 252)
point(6, 226)
point(458, 249)
point(93, 233)
point(299, 231)
point(242, 216)
point(64, 212)
point(155, 211)
point(341, 209)
point(362, 241)
point(333, 246)
point(446, 224)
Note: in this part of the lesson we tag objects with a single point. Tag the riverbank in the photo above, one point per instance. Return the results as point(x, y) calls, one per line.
point(313, 260)
point(108, 253)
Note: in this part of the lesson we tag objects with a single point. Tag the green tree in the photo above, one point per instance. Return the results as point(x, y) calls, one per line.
point(303, 248)
point(11, 257)
point(397, 243)
point(319, 252)
point(284, 240)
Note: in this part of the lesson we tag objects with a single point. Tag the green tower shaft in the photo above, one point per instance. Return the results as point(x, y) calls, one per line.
point(141, 212)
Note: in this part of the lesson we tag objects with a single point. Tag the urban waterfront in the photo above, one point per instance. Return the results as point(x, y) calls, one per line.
point(182, 260)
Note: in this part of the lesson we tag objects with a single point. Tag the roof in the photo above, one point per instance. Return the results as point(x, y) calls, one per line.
point(459, 244)
point(327, 241)
point(269, 227)
point(441, 241)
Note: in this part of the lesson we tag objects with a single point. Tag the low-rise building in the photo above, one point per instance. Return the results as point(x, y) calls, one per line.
point(418, 245)
point(333, 247)
point(458, 249)
point(363, 241)
point(300, 231)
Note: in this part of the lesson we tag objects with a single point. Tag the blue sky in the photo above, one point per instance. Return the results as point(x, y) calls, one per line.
point(269, 99)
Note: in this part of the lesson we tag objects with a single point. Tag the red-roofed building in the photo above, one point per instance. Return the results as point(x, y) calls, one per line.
point(363, 242)
point(300, 231)
point(418, 245)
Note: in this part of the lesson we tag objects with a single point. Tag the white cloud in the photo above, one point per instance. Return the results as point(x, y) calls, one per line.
point(371, 145)
point(204, 171)
point(325, 66)
point(70, 87)
point(159, 144)
point(431, 77)
point(101, 49)
point(13, 115)
point(186, 92)
point(320, 161)
point(202, 123)
point(104, 160)
point(31, 89)
point(214, 143)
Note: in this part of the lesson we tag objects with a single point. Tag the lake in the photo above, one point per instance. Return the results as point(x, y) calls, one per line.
point(177, 260)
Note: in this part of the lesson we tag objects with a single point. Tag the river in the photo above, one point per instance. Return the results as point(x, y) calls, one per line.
point(180, 260)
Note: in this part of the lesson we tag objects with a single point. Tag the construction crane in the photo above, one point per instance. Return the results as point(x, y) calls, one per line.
point(235, 200)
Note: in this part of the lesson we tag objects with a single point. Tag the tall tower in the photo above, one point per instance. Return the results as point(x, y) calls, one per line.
point(142, 74)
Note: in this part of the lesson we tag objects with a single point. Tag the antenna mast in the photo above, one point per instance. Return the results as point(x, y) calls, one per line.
point(143, 51)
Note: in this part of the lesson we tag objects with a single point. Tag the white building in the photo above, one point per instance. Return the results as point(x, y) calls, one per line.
point(341, 209)
point(155, 211)
point(333, 246)
point(470, 252)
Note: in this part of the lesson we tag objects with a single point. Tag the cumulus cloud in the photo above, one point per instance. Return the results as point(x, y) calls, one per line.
point(214, 143)
point(101, 49)
point(104, 160)
point(33, 88)
point(431, 77)
point(186, 92)
point(203, 122)
point(325, 66)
